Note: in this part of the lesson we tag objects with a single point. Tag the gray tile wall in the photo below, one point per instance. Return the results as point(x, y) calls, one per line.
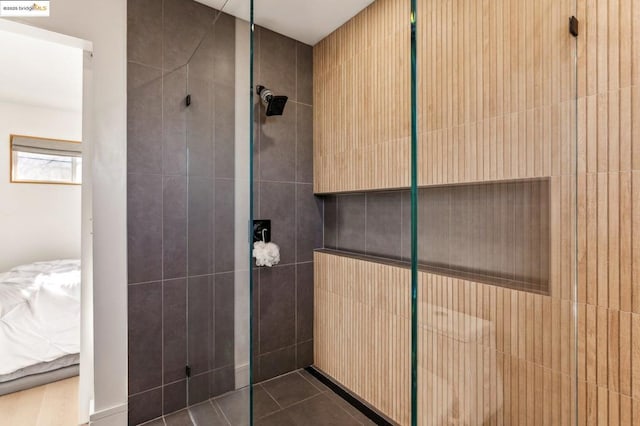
point(180, 206)
point(283, 161)
point(499, 230)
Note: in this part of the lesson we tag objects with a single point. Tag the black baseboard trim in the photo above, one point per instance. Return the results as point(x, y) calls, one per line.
point(347, 396)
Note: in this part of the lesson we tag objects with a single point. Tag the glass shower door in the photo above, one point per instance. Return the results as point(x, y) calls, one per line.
point(217, 214)
point(496, 213)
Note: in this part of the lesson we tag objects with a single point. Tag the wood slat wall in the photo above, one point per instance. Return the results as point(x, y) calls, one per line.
point(496, 83)
point(361, 83)
point(362, 330)
point(609, 212)
point(487, 355)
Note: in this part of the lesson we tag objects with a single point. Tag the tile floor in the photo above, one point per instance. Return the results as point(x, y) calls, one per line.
point(293, 399)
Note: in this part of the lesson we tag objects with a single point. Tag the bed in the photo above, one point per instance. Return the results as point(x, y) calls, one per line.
point(39, 324)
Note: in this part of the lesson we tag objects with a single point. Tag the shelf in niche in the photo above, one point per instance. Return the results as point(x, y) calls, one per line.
point(491, 232)
point(476, 278)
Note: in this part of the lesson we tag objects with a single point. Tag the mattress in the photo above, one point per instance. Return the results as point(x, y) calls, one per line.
point(39, 318)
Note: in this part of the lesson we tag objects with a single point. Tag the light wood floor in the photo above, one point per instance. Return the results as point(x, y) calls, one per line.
point(54, 404)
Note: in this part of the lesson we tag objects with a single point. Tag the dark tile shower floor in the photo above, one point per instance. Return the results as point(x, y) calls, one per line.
point(295, 399)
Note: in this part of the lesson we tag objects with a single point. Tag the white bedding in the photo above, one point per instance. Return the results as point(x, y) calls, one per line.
point(39, 313)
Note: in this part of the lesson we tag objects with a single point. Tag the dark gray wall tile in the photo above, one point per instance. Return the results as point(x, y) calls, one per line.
point(304, 84)
point(277, 307)
point(144, 24)
point(255, 324)
point(221, 381)
point(174, 137)
point(144, 224)
point(145, 336)
point(276, 363)
point(201, 91)
point(384, 224)
point(185, 24)
point(304, 144)
point(201, 65)
point(174, 130)
point(460, 223)
point(200, 156)
point(200, 226)
point(284, 153)
point(144, 119)
point(277, 203)
point(277, 63)
point(198, 388)
point(309, 212)
point(497, 230)
point(174, 317)
point(174, 227)
point(224, 225)
point(351, 222)
point(278, 145)
point(145, 406)
point(199, 323)
point(304, 354)
point(224, 63)
point(224, 329)
point(174, 91)
point(406, 225)
point(224, 131)
point(330, 221)
point(304, 302)
point(174, 397)
point(258, 114)
point(140, 77)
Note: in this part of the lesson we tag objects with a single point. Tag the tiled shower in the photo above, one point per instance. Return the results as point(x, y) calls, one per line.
point(183, 190)
point(453, 187)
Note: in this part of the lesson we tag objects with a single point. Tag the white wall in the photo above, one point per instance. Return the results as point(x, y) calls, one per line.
point(37, 222)
point(104, 23)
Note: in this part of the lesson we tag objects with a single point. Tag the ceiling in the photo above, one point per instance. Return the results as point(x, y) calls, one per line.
point(40, 73)
point(303, 20)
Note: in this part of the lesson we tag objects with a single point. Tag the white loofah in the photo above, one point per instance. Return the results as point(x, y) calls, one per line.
point(266, 254)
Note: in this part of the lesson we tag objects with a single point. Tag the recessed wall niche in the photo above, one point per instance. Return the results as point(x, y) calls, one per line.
point(497, 233)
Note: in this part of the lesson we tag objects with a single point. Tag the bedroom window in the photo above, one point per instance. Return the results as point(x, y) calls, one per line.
point(40, 160)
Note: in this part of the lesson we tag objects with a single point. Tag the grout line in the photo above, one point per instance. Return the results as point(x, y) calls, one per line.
point(312, 384)
point(271, 396)
point(295, 271)
point(217, 409)
point(224, 416)
point(303, 400)
point(145, 391)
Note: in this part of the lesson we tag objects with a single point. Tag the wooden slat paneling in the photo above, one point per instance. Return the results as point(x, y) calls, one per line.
point(362, 327)
point(496, 102)
point(361, 86)
point(470, 370)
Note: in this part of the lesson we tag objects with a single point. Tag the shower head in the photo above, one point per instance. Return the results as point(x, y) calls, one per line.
point(273, 104)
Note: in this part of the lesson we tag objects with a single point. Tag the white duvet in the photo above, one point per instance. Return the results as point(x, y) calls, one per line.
point(39, 313)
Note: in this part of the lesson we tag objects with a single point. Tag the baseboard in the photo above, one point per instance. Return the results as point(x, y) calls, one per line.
point(242, 376)
point(114, 416)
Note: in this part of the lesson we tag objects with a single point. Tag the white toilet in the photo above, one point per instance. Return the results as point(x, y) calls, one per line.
point(460, 382)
